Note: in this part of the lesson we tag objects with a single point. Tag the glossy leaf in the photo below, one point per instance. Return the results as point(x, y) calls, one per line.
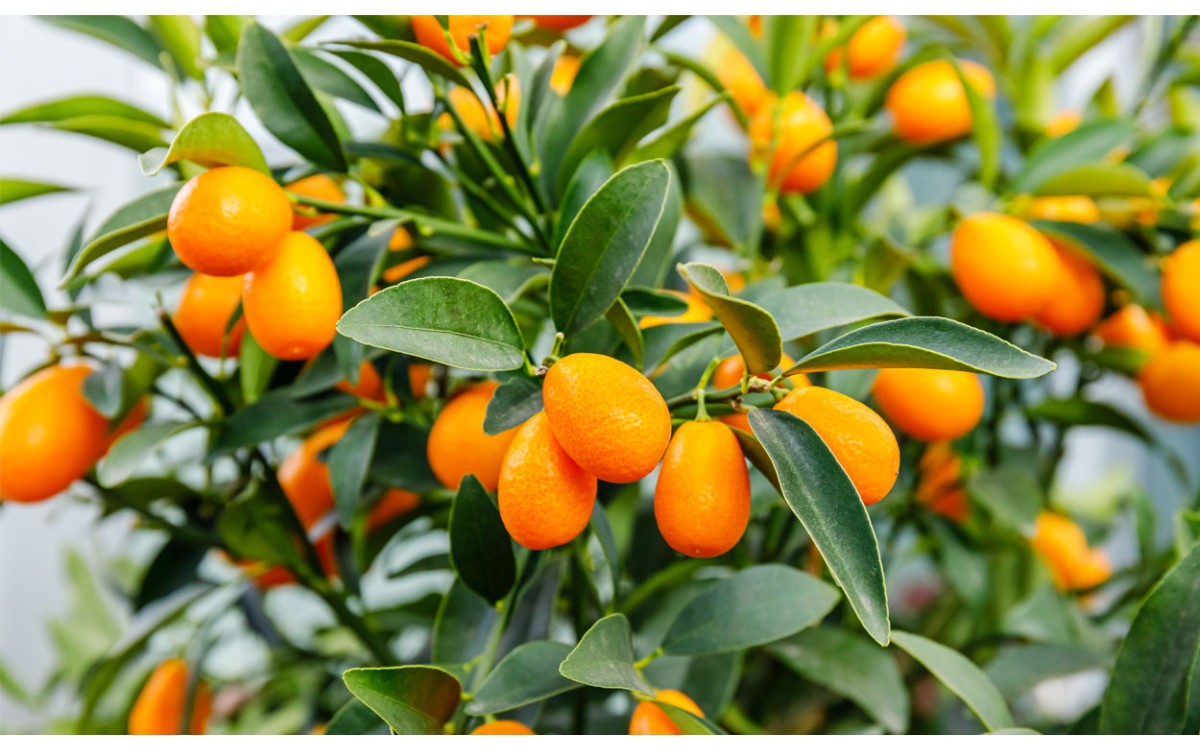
point(810, 308)
point(128, 453)
point(377, 71)
point(528, 674)
point(752, 328)
point(276, 414)
point(604, 657)
point(464, 621)
point(626, 326)
point(617, 129)
point(1088, 143)
point(604, 244)
point(755, 606)
point(355, 718)
point(516, 400)
point(937, 343)
point(818, 491)
point(1114, 254)
point(411, 699)
point(19, 291)
point(430, 62)
point(349, 460)
point(323, 75)
point(452, 321)
point(210, 139)
point(140, 218)
point(593, 171)
point(961, 676)
point(656, 261)
point(480, 548)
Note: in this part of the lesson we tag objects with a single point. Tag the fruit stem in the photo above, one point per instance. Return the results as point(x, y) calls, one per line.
point(559, 339)
point(642, 663)
point(701, 412)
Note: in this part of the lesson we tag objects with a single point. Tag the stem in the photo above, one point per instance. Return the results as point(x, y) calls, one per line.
point(207, 381)
point(701, 412)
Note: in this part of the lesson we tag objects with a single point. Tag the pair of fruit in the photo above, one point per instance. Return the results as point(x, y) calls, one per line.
point(236, 224)
point(162, 702)
point(1063, 547)
point(50, 435)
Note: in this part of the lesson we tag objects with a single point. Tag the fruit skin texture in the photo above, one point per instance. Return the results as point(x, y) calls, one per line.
point(1078, 297)
point(458, 445)
point(204, 311)
point(696, 312)
point(49, 434)
point(608, 416)
point(430, 34)
point(1170, 382)
point(858, 437)
point(293, 303)
point(729, 374)
point(1063, 547)
point(558, 23)
point(304, 477)
point(650, 719)
point(1181, 289)
point(930, 404)
point(802, 124)
point(928, 103)
point(228, 221)
point(702, 499)
point(1132, 327)
point(319, 186)
point(545, 498)
point(1005, 268)
point(503, 726)
point(159, 707)
point(874, 48)
point(745, 85)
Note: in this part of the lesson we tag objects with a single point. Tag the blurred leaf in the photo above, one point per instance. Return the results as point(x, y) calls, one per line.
point(128, 453)
point(809, 308)
point(19, 292)
point(464, 621)
point(254, 527)
point(255, 368)
point(1148, 692)
point(182, 38)
point(325, 76)
point(617, 130)
point(1090, 142)
point(1019, 669)
point(528, 674)
point(1101, 179)
point(850, 666)
point(135, 135)
point(626, 326)
point(1070, 44)
point(985, 129)
point(516, 400)
point(786, 60)
point(480, 548)
point(1011, 494)
point(1050, 617)
point(405, 463)
point(752, 328)
point(277, 414)
point(10, 687)
point(210, 139)
point(427, 60)
point(687, 722)
point(226, 31)
point(937, 343)
point(724, 193)
point(349, 460)
point(118, 31)
point(1079, 412)
point(283, 101)
point(671, 141)
point(139, 218)
point(737, 32)
point(818, 491)
point(962, 566)
point(13, 190)
point(377, 71)
point(755, 606)
point(411, 699)
point(355, 718)
point(300, 30)
point(604, 657)
point(604, 244)
point(1115, 255)
point(962, 677)
point(171, 570)
point(451, 321)
point(83, 104)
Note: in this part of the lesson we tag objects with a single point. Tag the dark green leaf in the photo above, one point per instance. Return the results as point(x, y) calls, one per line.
point(349, 459)
point(19, 292)
point(809, 308)
point(642, 301)
point(962, 677)
point(255, 368)
point(355, 718)
point(626, 326)
point(1088, 143)
point(687, 722)
point(140, 218)
point(755, 606)
point(128, 453)
point(411, 699)
point(430, 62)
point(118, 31)
point(818, 491)
point(277, 414)
point(452, 321)
point(1079, 412)
point(604, 657)
point(464, 621)
point(668, 143)
point(528, 674)
point(752, 328)
point(516, 400)
point(617, 130)
point(405, 463)
point(325, 76)
point(509, 278)
point(1010, 493)
point(480, 549)
point(171, 570)
point(723, 191)
point(210, 139)
point(255, 527)
point(593, 171)
point(656, 261)
point(1115, 255)
point(377, 71)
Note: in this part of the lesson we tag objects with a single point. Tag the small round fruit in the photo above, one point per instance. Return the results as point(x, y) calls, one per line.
point(608, 416)
point(874, 49)
point(1132, 327)
point(696, 312)
point(648, 718)
point(798, 164)
point(1005, 268)
point(304, 477)
point(859, 439)
point(160, 706)
point(1077, 208)
point(729, 373)
point(1170, 382)
point(702, 499)
point(228, 221)
point(430, 34)
point(205, 309)
point(1064, 549)
point(558, 23)
point(503, 726)
point(457, 444)
point(418, 379)
point(369, 387)
point(50, 435)
point(323, 188)
point(293, 303)
point(1078, 298)
point(545, 498)
point(928, 103)
point(930, 404)
point(745, 85)
point(1181, 289)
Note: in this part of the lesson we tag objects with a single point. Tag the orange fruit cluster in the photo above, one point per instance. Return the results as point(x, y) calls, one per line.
point(729, 373)
point(430, 34)
point(1063, 547)
point(930, 404)
point(939, 483)
point(50, 435)
point(649, 718)
point(161, 703)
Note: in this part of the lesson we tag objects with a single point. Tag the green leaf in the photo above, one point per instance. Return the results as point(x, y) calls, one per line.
point(786, 60)
point(752, 328)
point(411, 699)
point(210, 139)
point(13, 190)
point(226, 31)
point(480, 549)
point(643, 301)
point(818, 491)
point(667, 144)
point(325, 76)
point(128, 453)
point(405, 463)
point(626, 326)
point(82, 104)
point(140, 218)
point(256, 527)
point(135, 135)
point(276, 414)
point(19, 291)
point(755, 606)
point(429, 62)
point(255, 368)
point(810, 308)
point(528, 674)
point(962, 677)
point(1114, 254)
point(349, 460)
point(850, 666)
point(452, 321)
point(171, 570)
point(355, 718)
point(509, 278)
point(604, 244)
point(937, 343)
point(464, 621)
point(1148, 692)
point(1088, 143)
point(591, 174)
point(377, 71)
point(985, 129)
point(283, 101)
point(723, 191)
point(1079, 412)
point(516, 400)
point(181, 37)
point(1072, 42)
point(1017, 670)
point(604, 657)
point(1101, 179)
point(688, 722)
point(1010, 493)
point(617, 130)
point(118, 31)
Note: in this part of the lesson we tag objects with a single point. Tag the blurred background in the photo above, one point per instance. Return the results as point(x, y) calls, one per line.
point(44, 547)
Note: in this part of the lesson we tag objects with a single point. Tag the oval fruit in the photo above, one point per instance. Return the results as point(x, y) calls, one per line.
point(1132, 327)
point(928, 103)
point(798, 164)
point(160, 706)
point(458, 445)
point(1005, 268)
point(503, 726)
point(648, 718)
point(1170, 382)
point(873, 50)
point(1181, 289)
point(430, 34)
point(930, 404)
point(205, 309)
point(304, 477)
point(293, 303)
point(1078, 297)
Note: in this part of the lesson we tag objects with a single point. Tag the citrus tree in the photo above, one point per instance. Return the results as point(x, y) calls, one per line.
point(531, 409)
